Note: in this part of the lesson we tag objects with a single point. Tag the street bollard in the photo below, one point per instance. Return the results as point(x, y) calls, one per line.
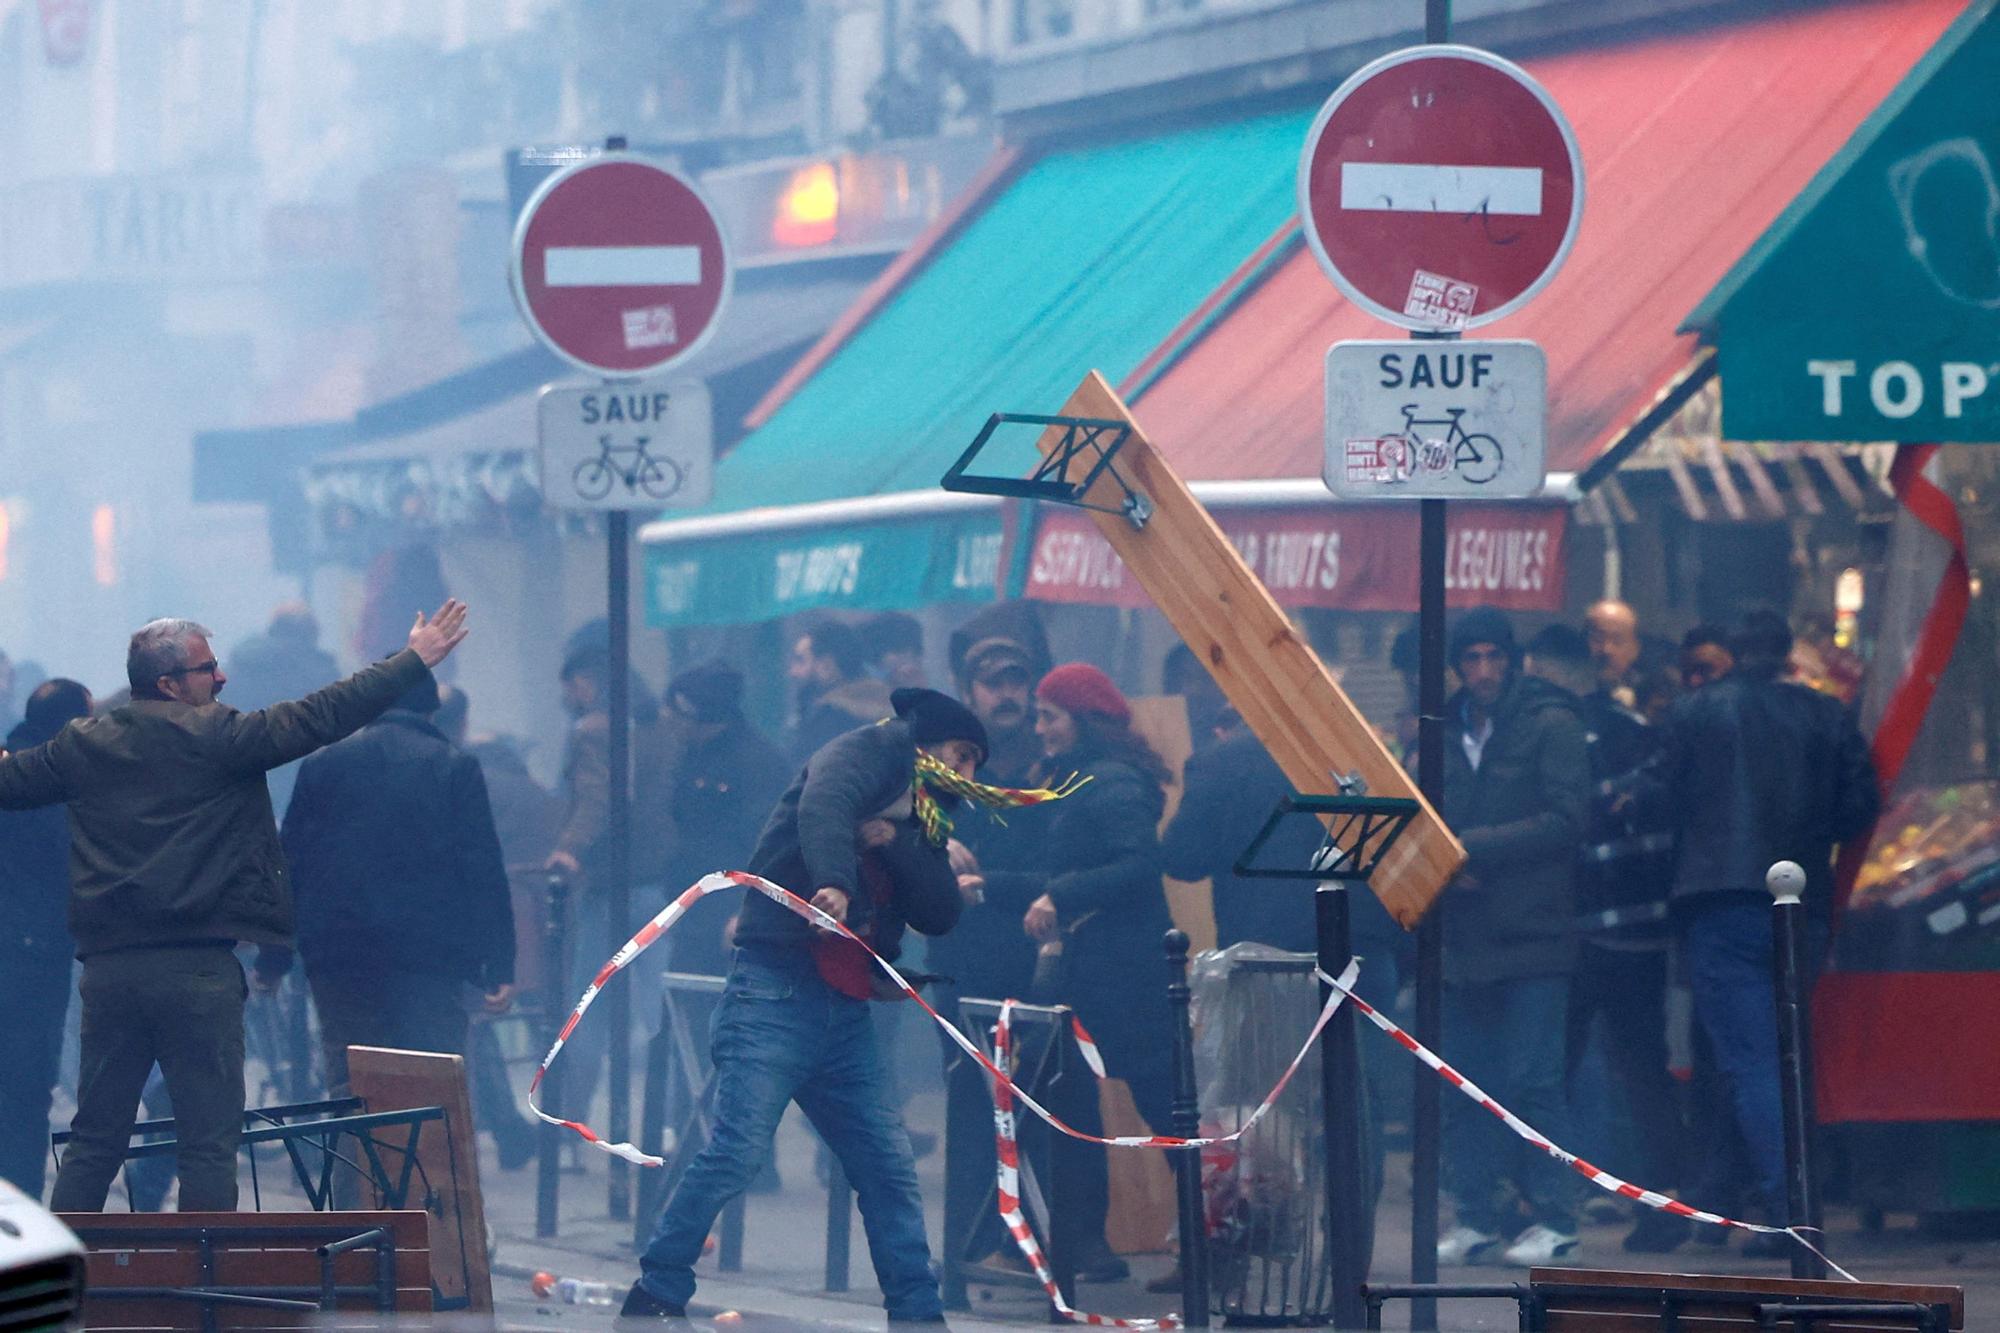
point(555, 991)
point(1787, 881)
point(1187, 1125)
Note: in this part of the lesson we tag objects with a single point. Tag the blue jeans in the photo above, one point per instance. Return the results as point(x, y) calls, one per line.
point(1729, 948)
point(1508, 1037)
point(781, 1035)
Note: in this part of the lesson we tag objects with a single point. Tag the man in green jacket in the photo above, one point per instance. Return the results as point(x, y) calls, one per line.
point(174, 860)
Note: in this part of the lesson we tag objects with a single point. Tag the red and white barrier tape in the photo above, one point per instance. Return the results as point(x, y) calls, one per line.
point(650, 933)
point(1604, 1180)
point(1008, 1155)
point(1005, 1090)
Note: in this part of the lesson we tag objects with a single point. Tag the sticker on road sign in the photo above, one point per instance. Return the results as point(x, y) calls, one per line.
point(629, 445)
point(1435, 420)
point(1440, 302)
point(1376, 461)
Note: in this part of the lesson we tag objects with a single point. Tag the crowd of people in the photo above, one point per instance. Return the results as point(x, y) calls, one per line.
point(1618, 810)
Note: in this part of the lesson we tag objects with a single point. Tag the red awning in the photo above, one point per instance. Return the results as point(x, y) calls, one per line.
point(1692, 144)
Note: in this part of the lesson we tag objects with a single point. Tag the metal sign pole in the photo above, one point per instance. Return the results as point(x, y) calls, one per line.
point(618, 580)
point(1427, 1109)
point(1347, 1210)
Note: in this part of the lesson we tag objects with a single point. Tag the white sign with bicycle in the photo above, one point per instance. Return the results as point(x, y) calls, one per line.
point(1436, 420)
point(627, 445)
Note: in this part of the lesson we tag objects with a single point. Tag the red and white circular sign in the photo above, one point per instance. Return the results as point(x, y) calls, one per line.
point(1440, 187)
point(620, 266)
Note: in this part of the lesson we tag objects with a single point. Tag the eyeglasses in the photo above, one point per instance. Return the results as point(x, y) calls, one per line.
point(199, 667)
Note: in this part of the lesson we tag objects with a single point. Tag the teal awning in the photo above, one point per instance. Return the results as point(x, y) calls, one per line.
point(1089, 259)
point(1870, 310)
point(879, 561)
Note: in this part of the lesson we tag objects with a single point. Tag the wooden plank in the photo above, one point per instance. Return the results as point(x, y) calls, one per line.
point(1743, 1290)
point(389, 1080)
point(120, 1266)
point(1269, 672)
point(410, 1226)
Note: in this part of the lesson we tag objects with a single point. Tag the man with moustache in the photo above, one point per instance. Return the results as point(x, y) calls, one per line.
point(174, 860)
point(997, 657)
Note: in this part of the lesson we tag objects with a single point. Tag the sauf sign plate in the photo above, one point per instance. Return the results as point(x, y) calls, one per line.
point(1436, 420)
point(630, 445)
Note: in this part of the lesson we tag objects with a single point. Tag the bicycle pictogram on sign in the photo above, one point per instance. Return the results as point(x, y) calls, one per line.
point(1473, 457)
point(631, 465)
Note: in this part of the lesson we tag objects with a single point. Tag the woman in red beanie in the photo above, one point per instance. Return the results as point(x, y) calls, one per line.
point(1105, 909)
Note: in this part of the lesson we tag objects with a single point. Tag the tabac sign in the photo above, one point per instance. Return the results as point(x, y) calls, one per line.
point(1871, 309)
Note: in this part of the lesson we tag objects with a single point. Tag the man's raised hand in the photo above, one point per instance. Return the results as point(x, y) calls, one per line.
point(433, 639)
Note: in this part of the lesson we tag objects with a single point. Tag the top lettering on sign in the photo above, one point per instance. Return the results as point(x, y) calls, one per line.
point(1440, 187)
point(620, 266)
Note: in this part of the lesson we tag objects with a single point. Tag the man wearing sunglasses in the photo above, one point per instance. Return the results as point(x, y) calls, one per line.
point(174, 860)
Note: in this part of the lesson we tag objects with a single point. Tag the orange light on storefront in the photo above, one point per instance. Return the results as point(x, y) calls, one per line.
point(104, 544)
point(809, 208)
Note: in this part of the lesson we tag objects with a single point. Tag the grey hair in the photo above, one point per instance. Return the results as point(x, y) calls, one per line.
point(157, 648)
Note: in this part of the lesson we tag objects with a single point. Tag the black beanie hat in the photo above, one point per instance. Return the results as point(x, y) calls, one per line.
point(935, 717)
point(1483, 624)
point(711, 692)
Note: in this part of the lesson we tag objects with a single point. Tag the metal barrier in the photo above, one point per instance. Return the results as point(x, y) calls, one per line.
point(1042, 1041)
point(555, 952)
point(332, 1121)
point(678, 1094)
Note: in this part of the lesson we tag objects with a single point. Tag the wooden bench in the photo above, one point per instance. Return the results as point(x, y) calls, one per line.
point(1582, 1300)
point(1576, 1300)
point(214, 1271)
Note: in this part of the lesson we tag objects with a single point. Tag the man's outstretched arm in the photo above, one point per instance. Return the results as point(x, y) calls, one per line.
point(283, 732)
point(29, 778)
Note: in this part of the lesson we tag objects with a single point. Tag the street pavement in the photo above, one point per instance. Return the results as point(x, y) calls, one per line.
point(782, 1283)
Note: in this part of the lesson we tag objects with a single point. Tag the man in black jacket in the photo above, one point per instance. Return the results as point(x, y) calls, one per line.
point(725, 778)
point(174, 859)
point(1517, 793)
point(997, 656)
point(402, 894)
point(35, 949)
point(1757, 770)
point(861, 834)
point(1621, 975)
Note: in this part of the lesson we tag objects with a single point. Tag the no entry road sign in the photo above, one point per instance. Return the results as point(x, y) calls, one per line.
point(1440, 187)
point(619, 266)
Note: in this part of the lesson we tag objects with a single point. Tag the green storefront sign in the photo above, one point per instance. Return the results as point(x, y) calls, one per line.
point(893, 564)
point(1871, 309)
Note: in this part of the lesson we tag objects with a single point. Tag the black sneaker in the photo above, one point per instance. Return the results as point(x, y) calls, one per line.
point(1657, 1233)
point(644, 1310)
point(1098, 1263)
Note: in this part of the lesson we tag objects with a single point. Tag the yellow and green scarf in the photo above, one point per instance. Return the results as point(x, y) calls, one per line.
point(933, 777)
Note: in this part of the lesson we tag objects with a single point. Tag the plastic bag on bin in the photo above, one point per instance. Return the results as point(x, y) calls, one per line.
point(1253, 1006)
